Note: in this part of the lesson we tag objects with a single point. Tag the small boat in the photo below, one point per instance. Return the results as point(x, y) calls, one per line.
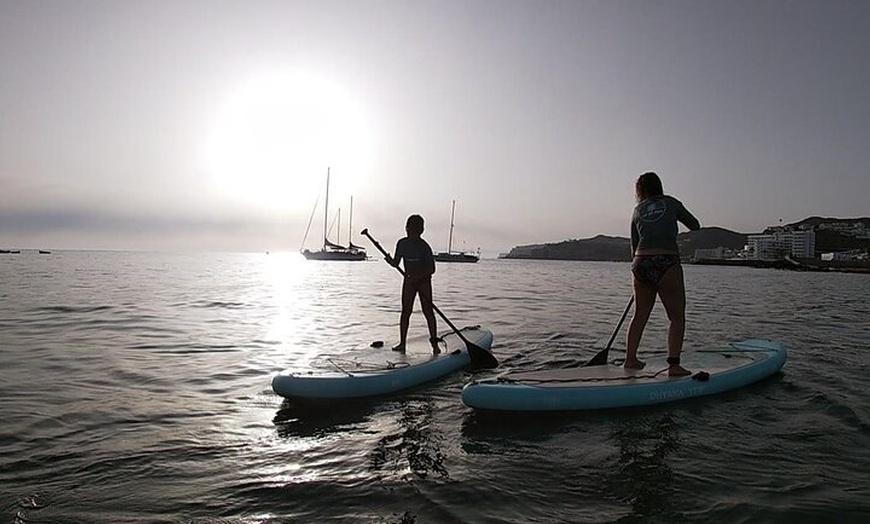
point(455, 256)
point(611, 386)
point(331, 250)
point(380, 371)
point(44, 252)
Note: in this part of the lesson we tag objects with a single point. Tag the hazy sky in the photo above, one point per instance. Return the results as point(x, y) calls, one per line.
point(147, 124)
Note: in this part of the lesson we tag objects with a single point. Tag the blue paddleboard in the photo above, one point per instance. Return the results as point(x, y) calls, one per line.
point(380, 371)
point(611, 386)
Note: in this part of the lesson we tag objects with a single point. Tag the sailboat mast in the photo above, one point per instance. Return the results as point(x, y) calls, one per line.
point(350, 225)
point(326, 210)
point(450, 240)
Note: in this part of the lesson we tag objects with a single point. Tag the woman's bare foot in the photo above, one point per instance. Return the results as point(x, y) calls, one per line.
point(633, 364)
point(400, 348)
point(676, 370)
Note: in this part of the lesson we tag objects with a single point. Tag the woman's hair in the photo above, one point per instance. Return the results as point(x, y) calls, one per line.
point(648, 185)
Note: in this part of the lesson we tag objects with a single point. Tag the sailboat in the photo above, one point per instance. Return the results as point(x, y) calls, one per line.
point(455, 256)
point(331, 250)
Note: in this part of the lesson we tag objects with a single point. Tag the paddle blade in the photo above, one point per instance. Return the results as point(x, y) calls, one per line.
point(480, 358)
point(599, 359)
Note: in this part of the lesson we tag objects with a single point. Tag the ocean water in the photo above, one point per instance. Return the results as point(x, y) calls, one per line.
point(135, 387)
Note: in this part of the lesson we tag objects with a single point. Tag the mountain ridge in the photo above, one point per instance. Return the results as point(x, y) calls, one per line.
point(618, 249)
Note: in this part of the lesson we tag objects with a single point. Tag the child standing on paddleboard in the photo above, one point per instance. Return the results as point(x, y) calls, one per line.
point(419, 267)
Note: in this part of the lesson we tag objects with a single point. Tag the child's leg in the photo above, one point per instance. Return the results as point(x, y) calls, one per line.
point(425, 290)
point(408, 295)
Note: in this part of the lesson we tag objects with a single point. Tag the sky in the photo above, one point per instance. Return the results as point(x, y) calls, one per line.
point(211, 125)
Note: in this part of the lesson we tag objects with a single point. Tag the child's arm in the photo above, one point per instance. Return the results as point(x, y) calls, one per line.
point(430, 260)
point(398, 258)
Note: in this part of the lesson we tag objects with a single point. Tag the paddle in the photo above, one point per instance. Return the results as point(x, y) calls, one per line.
point(480, 358)
point(601, 357)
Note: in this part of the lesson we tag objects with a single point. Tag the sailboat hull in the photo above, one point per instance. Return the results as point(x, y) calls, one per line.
point(456, 257)
point(349, 256)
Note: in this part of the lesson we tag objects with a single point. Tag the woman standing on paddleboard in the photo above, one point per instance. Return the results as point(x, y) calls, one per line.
point(656, 268)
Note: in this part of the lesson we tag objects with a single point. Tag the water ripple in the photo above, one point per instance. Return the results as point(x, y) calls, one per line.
point(136, 389)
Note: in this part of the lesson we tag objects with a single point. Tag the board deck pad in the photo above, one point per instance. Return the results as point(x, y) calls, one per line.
point(364, 358)
point(654, 371)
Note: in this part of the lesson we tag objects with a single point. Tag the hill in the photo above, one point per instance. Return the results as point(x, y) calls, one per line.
point(828, 241)
point(618, 249)
point(709, 238)
point(601, 247)
point(817, 222)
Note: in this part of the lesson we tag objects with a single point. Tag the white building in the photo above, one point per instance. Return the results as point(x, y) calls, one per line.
point(778, 245)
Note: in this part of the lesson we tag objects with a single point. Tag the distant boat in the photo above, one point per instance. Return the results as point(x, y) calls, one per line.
point(44, 252)
point(455, 256)
point(331, 250)
point(10, 251)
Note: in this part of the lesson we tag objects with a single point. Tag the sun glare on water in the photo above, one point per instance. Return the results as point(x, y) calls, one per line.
point(275, 135)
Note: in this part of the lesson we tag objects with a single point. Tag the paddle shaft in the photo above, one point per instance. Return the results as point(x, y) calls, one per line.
point(621, 320)
point(601, 358)
point(481, 357)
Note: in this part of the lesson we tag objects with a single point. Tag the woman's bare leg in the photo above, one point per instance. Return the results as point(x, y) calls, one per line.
point(672, 291)
point(644, 300)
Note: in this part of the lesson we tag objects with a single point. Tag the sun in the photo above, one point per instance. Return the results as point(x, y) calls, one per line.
point(275, 134)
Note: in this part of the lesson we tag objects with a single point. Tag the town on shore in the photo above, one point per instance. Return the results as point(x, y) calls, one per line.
point(813, 244)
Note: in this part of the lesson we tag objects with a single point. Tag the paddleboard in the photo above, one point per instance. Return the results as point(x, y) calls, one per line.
point(611, 386)
point(374, 371)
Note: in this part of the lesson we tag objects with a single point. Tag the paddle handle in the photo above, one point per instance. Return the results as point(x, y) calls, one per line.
point(365, 233)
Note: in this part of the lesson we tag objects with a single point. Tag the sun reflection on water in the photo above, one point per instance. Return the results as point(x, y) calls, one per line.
point(288, 277)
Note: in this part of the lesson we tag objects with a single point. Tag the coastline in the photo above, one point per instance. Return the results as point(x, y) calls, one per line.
point(793, 265)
